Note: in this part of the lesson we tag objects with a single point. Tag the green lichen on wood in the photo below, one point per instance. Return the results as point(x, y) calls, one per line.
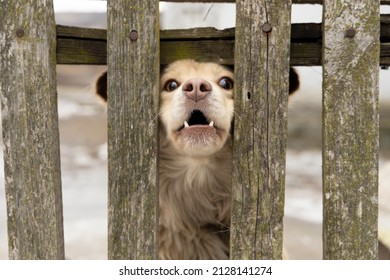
point(133, 79)
point(30, 130)
point(261, 93)
point(350, 153)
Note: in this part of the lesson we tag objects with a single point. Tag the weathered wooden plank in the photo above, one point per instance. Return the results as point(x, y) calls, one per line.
point(261, 94)
point(30, 130)
point(88, 46)
point(383, 2)
point(385, 54)
point(202, 33)
point(133, 79)
point(76, 51)
point(207, 51)
point(350, 129)
point(79, 32)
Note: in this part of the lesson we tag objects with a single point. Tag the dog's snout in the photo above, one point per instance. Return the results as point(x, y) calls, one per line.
point(197, 89)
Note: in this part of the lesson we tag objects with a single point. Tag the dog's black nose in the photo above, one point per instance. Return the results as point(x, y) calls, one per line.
point(197, 89)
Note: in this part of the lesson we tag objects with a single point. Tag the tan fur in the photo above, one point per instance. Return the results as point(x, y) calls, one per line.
point(195, 162)
point(195, 174)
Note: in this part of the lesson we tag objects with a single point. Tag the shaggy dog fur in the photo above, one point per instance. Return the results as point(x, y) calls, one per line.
point(195, 160)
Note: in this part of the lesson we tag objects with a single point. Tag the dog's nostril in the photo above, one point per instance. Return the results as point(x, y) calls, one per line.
point(204, 88)
point(196, 89)
point(188, 87)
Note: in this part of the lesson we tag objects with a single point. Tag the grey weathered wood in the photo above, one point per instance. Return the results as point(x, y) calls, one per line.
point(261, 94)
point(133, 79)
point(30, 130)
point(350, 131)
point(77, 45)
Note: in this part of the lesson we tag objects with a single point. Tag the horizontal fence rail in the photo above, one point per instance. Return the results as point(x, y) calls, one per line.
point(88, 46)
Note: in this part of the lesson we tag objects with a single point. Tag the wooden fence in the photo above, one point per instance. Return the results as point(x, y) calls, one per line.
point(347, 44)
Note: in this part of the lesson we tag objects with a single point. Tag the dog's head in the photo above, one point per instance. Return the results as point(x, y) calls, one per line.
point(196, 105)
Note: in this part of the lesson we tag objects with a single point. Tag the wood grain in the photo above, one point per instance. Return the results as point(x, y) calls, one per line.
point(133, 79)
point(88, 46)
point(350, 129)
point(30, 130)
point(261, 93)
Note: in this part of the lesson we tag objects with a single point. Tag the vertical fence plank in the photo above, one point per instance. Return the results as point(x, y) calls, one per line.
point(350, 131)
point(133, 80)
point(30, 130)
point(261, 94)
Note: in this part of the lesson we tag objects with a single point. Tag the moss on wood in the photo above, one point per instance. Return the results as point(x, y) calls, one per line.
point(261, 93)
point(133, 79)
point(30, 130)
point(351, 131)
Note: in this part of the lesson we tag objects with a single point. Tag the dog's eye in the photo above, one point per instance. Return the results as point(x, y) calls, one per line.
point(171, 85)
point(226, 83)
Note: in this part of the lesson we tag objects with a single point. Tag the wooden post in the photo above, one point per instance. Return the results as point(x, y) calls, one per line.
point(350, 129)
point(30, 130)
point(133, 86)
point(261, 94)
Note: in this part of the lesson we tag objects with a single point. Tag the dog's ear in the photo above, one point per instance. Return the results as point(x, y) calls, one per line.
point(162, 68)
point(294, 81)
point(101, 86)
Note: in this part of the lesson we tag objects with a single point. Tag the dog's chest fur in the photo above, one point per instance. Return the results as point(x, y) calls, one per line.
point(195, 158)
point(195, 203)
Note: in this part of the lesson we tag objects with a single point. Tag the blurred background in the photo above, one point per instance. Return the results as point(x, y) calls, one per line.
point(83, 133)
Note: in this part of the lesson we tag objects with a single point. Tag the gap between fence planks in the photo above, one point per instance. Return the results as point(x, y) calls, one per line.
point(350, 129)
point(30, 130)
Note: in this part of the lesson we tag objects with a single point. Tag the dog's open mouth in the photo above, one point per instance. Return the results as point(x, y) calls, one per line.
point(198, 125)
point(197, 119)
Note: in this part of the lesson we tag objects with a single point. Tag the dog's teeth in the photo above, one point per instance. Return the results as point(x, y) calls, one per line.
point(186, 124)
point(211, 123)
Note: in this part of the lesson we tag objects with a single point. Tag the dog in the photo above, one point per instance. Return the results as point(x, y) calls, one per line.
point(195, 158)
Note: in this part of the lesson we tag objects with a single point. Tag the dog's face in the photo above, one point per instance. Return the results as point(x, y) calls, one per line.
point(196, 106)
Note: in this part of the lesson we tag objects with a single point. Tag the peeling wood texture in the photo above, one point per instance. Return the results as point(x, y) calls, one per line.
point(350, 129)
point(30, 130)
point(261, 94)
point(133, 80)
